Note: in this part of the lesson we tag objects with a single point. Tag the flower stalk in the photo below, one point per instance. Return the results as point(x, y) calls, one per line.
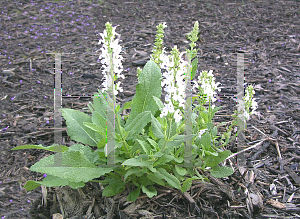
point(111, 60)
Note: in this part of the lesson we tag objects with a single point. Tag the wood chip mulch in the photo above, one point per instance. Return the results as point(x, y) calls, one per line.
point(267, 33)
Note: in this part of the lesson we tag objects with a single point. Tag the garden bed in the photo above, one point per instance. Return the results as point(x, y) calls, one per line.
point(266, 32)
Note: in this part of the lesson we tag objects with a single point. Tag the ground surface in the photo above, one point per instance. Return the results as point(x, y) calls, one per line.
point(266, 32)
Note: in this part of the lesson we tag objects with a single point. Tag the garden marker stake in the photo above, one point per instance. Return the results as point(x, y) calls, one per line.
point(188, 154)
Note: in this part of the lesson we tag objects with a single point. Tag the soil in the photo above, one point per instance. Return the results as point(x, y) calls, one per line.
point(265, 32)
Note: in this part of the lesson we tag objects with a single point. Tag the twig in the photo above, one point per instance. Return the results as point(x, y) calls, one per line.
point(259, 143)
point(259, 130)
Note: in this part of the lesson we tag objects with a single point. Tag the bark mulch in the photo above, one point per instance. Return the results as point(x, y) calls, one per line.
point(265, 32)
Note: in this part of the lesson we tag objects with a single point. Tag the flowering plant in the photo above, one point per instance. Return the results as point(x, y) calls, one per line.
point(149, 143)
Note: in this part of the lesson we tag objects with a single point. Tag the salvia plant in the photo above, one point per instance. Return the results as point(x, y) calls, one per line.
point(149, 143)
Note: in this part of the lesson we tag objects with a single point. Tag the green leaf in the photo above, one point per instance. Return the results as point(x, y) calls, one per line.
point(136, 162)
point(138, 123)
point(212, 161)
point(163, 160)
point(214, 132)
point(180, 170)
point(156, 128)
point(204, 116)
point(205, 142)
point(179, 150)
point(171, 180)
point(134, 194)
point(220, 172)
point(186, 185)
point(114, 187)
point(144, 181)
point(149, 85)
point(153, 144)
point(117, 109)
point(99, 103)
point(31, 185)
point(101, 143)
point(145, 146)
point(158, 102)
point(49, 148)
point(136, 171)
point(194, 68)
point(178, 159)
point(76, 165)
point(53, 181)
point(216, 109)
point(149, 191)
point(99, 120)
point(76, 130)
point(156, 178)
point(173, 129)
point(88, 152)
point(95, 128)
point(180, 129)
point(127, 105)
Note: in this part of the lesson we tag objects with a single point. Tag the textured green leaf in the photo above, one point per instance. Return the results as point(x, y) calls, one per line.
point(220, 172)
point(211, 160)
point(77, 166)
point(205, 141)
point(153, 144)
point(136, 162)
point(114, 187)
point(186, 185)
point(171, 180)
point(144, 181)
point(180, 170)
point(138, 123)
point(173, 129)
point(99, 120)
point(149, 85)
point(49, 148)
point(131, 171)
point(156, 128)
point(127, 105)
point(164, 159)
point(52, 181)
point(149, 191)
point(145, 146)
point(31, 185)
point(214, 132)
point(194, 68)
point(95, 128)
point(99, 103)
point(134, 194)
point(88, 152)
point(156, 178)
point(76, 130)
point(158, 102)
point(178, 159)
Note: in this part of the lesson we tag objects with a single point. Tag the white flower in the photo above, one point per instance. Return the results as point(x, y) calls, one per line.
point(168, 108)
point(201, 132)
point(165, 60)
point(116, 61)
point(177, 116)
point(244, 105)
point(208, 85)
point(254, 106)
point(175, 86)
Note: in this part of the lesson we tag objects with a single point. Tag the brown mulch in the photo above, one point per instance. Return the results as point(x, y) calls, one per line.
point(266, 32)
